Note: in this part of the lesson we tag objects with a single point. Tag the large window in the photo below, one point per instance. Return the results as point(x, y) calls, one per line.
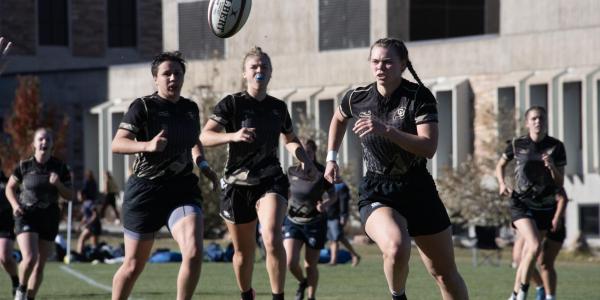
point(53, 23)
point(437, 19)
point(196, 40)
point(344, 24)
point(589, 219)
point(122, 23)
point(507, 125)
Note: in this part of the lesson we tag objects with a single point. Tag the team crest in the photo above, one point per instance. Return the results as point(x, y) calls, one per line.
point(365, 114)
point(399, 115)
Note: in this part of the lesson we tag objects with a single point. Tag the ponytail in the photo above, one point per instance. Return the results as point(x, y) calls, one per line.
point(413, 72)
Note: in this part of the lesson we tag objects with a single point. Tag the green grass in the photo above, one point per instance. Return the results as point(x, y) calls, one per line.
point(578, 279)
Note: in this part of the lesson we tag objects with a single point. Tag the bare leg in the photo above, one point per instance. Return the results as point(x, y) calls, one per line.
point(547, 258)
point(6, 259)
point(271, 210)
point(85, 234)
point(528, 230)
point(244, 242)
point(292, 250)
point(37, 274)
point(187, 232)
point(333, 248)
point(437, 253)
point(388, 229)
point(137, 253)
point(311, 260)
point(28, 244)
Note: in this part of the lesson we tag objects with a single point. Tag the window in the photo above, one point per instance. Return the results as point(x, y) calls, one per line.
point(344, 24)
point(196, 40)
point(572, 122)
point(437, 19)
point(122, 23)
point(53, 24)
point(507, 125)
point(538, 95)
point(589, 221)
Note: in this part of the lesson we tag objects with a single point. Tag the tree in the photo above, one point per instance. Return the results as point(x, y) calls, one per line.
point(28, 114)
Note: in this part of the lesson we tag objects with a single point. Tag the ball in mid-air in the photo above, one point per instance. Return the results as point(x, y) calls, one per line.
point(226, 17)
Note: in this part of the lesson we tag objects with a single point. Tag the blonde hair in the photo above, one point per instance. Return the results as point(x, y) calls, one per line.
point(256, 51)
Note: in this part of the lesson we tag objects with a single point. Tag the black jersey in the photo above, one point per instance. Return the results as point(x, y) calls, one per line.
point(533, 181)
point(305, 192)
point(180, 120)
point(4, 204)
point(409, 105)
point(36, 189)
point(270, 117)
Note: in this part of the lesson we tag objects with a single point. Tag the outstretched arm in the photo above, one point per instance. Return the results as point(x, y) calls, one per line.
point(337, 129)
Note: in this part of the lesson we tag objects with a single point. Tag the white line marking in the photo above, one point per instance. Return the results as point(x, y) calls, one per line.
point(89, 281)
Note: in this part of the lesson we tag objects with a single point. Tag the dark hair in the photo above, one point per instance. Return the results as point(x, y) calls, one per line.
point(256, 51)
point(536, 108)
point(401, 50)
point(175, 56)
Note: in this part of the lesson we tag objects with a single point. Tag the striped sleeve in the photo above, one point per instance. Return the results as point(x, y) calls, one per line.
point(345, 105)
point(135, 117)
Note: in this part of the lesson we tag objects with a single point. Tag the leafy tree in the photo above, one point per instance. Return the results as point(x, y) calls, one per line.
point(28, 114)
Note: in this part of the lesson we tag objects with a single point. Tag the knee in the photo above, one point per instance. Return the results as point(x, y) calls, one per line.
point(546, 266)
point(133, 267)
point(395, 251)
point(192, 254)
point(444, 276)
point(532, 249)
point(30, 260)
point(272, 242)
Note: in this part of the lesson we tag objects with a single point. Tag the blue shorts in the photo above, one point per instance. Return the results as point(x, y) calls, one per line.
point(335, 231)
point(313, 233)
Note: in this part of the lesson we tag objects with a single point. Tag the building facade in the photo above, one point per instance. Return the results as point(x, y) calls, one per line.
point(486, 61)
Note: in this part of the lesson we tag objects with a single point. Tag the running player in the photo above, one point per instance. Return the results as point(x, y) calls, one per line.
point(337, 217)
point(254, 185)
point(7, 235)
point(305, 223)
point(41, 179)
point(162, 130)
point(396, 121)
point(539, 175)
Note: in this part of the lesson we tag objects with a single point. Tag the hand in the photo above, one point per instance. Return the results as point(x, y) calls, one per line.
point(556, 222)
point(342, 221)
point(246, 135)
point(332, 172)
point(158, 143)
point(503, 190)
point(4, 51)
point(210, 174)
point(548, 161)
point(365, 126)
point(320, 207)
point(311, 170)
point(54, 179)
point(17, 211)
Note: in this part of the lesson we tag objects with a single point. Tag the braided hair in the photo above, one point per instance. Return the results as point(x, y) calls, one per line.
point(401, 50)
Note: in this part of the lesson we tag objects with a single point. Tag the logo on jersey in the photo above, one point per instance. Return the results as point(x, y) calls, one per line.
point(399, 115)
point(163, 113)
point(523, 151)
point(365, 114)
point(375, 204)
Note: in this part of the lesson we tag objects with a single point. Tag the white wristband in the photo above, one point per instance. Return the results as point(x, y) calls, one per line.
point(332, 155)
point(203, 165)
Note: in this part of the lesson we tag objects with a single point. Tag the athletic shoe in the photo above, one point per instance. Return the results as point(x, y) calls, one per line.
point(20, 295)
point(253, 294)
point(540, 293)
point(301, 288)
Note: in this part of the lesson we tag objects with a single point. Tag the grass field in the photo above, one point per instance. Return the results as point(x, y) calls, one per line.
point(578, 279)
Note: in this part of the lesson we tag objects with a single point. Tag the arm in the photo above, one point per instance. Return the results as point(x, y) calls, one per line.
point(200, 161)
point(557, 173)
point(331, 200)
point(561, 205)
point(423, 144)
point(337, 129)
point(500, 166)
point(11, 195)
point(293, 145)
point(125, 143)
point(63, 190)
point(212, 135)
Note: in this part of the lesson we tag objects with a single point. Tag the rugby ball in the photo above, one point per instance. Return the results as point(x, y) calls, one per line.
point(226, 17)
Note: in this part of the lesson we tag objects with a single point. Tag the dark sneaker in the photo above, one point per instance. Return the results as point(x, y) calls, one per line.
point(300, 291)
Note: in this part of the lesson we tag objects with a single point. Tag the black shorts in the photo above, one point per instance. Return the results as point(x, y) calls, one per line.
point(7, 224)
point(43, 221)
point(147, 204)
point(238, 203)
point(313, 233)
point(414, 196)
point(541, 217)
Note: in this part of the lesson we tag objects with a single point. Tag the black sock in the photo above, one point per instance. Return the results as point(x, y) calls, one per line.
point(399, 297)
point(30, 298)
point(247, 295)
point(15, 281)
point(278, 296)
point(22, 288)
point(524, 287)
